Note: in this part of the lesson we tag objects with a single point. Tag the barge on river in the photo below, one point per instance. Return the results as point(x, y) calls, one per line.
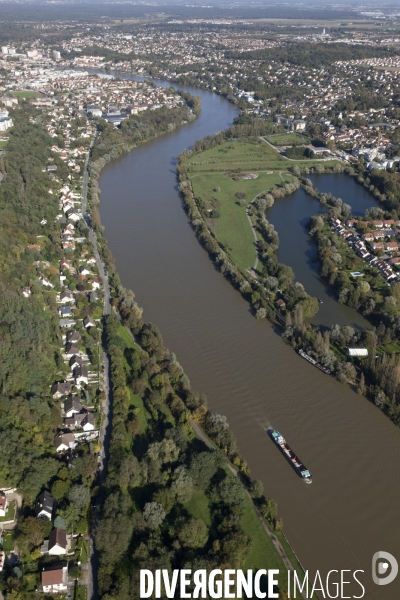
point(311, 360)
point(290, 456)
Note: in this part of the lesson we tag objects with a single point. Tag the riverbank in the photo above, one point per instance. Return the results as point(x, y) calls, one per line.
point(131, 315)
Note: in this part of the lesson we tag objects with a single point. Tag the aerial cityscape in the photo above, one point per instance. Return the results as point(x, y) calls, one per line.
point(199, 284)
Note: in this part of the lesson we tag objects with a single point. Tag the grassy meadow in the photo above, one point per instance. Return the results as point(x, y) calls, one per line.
point(220, 168)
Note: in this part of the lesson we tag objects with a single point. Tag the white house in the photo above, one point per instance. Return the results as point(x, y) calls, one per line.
point(44, 281)
point(3, 504)
point(58, 542)
point(54, 580)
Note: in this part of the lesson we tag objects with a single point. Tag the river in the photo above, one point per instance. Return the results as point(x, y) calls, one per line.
point(290, 217)
point(250, 375)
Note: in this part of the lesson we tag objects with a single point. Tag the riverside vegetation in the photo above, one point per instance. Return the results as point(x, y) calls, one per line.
point(231, 177)
point(170, 501)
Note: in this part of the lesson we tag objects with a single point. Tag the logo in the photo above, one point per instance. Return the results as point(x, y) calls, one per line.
point(381, 561)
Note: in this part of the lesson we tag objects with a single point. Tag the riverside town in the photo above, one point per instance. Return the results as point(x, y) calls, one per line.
point(199, 300)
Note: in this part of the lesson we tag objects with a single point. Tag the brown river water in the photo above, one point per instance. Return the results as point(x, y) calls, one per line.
point(248, 373)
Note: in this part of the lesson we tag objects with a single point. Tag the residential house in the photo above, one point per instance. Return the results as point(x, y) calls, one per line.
point(377, 246)
point(58, 541)
point(392, 246)
point(44, 281)
point(73, 214)
point(84, 270)
point(73, 337)
point(54, 578)
point(95, 283)
point(67, 296)
point(83, 420)
point(45, 506)
point(81, 375)
point(61, 389)
point(72, 405)
point(88, 322)
point(64, 323)
point(65, 311)
point(75, 361)
point(71, 350)
point(64, 441)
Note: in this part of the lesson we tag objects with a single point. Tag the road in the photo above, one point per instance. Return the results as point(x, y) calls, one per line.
point(277, 545)
point(104, 433)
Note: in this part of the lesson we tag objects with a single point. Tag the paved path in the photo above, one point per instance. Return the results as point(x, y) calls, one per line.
point(254, 231)
point(105, 405)
point(277, 545)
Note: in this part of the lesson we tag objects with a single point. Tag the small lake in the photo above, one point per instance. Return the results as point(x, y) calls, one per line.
point(290, 217)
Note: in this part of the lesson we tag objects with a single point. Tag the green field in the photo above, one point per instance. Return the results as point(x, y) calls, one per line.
point(232, 228)
point(26, 94)
point(3, 143)
point(237, 156)
point(198, 507)
point(221, 167)
point(288, 139)
point(122, 332)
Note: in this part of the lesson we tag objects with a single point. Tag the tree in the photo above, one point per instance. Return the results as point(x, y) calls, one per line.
point(34, 530)
point(154, 514)
point(193, 533)
point(79, 495)
point(182, 485)
point(59, 523)
point(203, 467)
point(310, 306)
point(269, 200)
point(256, 489)
point(361, 385)
point(60, 488)
point(269, 509)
